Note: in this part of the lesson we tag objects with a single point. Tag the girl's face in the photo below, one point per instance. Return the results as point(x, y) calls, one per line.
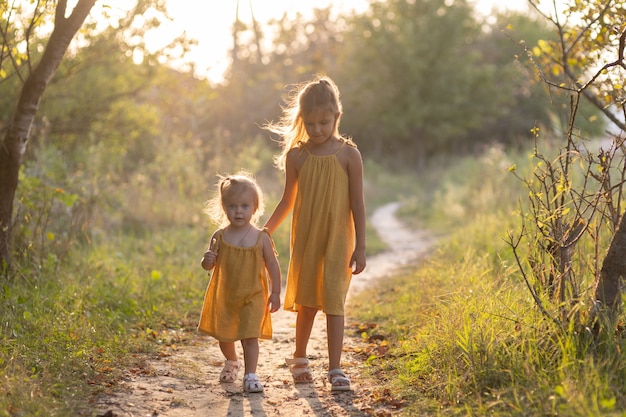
point(319, 125)
point(240, 208)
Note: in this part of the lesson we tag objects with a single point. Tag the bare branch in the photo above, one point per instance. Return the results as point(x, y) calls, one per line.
point(514, 243)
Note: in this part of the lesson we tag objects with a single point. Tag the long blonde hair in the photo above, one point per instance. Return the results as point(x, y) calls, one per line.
point(320, 93)
point(232, 185)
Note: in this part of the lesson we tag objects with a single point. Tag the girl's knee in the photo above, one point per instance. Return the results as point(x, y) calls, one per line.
point(307, 311)
point(247, 343)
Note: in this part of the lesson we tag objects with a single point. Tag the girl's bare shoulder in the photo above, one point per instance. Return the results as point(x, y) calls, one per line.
point(296, 155)
point(266, 240)
point(349, 153)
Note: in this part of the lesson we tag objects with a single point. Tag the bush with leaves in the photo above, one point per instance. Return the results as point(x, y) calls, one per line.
point(573, 240)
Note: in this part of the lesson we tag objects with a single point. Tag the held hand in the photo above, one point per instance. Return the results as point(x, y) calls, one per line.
point(208, 260)
point(357, 261)
point(274, 302)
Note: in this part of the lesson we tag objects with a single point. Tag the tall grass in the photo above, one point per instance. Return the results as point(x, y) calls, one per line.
point(465, 336)
point(70, 330)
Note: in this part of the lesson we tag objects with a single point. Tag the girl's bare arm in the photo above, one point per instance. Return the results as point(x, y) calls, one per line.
point(357, 205)
point(273, 269)
point(285, 205)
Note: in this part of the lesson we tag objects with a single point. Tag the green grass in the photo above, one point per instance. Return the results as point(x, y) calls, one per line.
point(462, 335)
point(466, 340)
point(70, 329)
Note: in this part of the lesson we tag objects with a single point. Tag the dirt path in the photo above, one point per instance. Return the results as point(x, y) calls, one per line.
point(183, 382)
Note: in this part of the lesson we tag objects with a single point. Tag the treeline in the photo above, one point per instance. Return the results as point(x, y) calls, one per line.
point(117, 141)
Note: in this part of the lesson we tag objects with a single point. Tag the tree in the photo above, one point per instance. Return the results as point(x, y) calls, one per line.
point(15, 140)
point(299, 47)
point(420, 85)
point(30, 62)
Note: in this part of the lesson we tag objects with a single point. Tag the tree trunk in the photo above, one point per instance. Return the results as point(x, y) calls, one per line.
point(13, 146)
point(257, 36)
point(613, 272)
point(236, 28)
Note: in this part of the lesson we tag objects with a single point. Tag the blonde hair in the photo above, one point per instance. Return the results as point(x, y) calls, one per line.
point(319, 94)
point(229, 186)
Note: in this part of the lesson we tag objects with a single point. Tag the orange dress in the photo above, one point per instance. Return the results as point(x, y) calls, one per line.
point(235, 304)
point(322, 237)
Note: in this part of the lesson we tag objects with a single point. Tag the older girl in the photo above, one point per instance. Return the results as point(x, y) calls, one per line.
point(324, 189)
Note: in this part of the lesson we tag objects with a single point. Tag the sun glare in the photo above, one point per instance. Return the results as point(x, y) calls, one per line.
point(210, 23)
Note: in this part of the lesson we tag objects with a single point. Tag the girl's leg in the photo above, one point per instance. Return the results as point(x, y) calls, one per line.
point(304, 324)
point(250, 354)
point(334, 330)
point(299, 365)
point(251, 382)
point(231, 366)
point(228, 349)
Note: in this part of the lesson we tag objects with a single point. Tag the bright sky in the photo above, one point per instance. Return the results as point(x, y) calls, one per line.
point(211, 25)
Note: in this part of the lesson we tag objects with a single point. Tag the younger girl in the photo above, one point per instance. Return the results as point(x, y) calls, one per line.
point(237, 301)
point(324, 188)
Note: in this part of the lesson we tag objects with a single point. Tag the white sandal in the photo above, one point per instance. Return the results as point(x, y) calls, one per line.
point(338, 380)
point(251, 383)
point(229, 372)
point(300, 370)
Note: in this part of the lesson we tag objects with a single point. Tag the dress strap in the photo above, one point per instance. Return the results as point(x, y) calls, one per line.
point(340, 147)
point(267, 232)
point(258, 239)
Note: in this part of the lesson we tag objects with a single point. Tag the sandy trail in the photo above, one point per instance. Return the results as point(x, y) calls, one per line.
point(183, 382)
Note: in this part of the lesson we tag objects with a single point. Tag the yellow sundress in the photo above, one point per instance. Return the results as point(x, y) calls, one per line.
point(235, 303)
point(322, 237)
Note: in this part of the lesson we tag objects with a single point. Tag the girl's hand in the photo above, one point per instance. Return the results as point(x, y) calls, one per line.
point(208, 260)
point(357, 261)
point(273, 302)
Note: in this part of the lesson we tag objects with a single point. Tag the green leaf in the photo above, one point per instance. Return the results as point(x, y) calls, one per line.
point(28, 316)
point(560, 391)
point(608, 403)
point(66, 198)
